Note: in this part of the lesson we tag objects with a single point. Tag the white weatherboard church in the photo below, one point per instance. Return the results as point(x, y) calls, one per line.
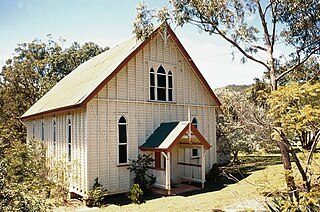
point(138, 97)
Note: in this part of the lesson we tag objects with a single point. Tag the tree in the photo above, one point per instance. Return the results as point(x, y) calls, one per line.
point(239, 130)
point(294, 24)
point(297, 110)
point(35, 68)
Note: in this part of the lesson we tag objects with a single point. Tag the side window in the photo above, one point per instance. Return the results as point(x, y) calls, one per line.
point(152, 85)
point(195, 152)
point(170, 87)
point(33, 130)
point(122, 141)
point(42, 130)
point(69, 138)
point(54, 134)
point(159, 161)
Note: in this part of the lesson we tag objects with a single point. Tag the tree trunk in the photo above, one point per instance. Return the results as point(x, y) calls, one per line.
point(281, 144)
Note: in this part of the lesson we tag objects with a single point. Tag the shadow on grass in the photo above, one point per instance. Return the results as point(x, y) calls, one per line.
point(232, 174)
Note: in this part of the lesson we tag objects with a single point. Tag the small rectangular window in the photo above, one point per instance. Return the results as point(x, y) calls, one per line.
point(195, 153)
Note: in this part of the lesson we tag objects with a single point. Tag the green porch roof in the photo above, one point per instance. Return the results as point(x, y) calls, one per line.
point(166, 136)
point(159, 135)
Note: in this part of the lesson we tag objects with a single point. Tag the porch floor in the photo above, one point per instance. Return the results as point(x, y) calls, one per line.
point(176, 189)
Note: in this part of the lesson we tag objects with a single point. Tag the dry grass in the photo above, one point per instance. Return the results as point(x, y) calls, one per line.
point(243, 195)
point(264, 177)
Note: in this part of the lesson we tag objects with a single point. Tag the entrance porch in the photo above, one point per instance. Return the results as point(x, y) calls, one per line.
point(171, 145)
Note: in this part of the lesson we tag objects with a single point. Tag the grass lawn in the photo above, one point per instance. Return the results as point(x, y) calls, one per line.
point(242, 188)
point(259, 174)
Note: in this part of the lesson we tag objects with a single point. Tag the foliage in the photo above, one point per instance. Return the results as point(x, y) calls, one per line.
point(36, 67)
point(139, 167)
point(294, 24)
point(96, 196)
point(295, 110)
point(214, 173)
point(307, 201)
point(142, 25)
point(136, 194)
point(239, 130)
point(298, 108)
point(25, 182)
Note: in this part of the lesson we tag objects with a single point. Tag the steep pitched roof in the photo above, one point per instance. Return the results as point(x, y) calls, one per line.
point(82, 84)
point(166, 136)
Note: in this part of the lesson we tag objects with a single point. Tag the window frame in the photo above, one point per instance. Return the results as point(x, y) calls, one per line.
point(42, 129)
point(69, 137)
point(122, 144)
point(54, 134)
point(168, 73)
point(33, 130)
point(195, 152)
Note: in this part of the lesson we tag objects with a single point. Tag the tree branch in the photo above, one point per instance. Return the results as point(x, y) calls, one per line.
point(242, 50)
point(298, 64)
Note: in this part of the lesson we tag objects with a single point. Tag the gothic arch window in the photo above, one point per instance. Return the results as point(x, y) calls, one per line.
point(161, 85)
point(122, 141)
point(195, 152)
point(152, 85)
point(69, 138)
point(54, 134)
point(170, 87)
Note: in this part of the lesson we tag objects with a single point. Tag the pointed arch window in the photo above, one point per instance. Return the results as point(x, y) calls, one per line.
point(69, 138)
point(122, 141)
point(152, 85)
point(170, 87)
point(195, 152)
point(161, 85)
point(54, 134)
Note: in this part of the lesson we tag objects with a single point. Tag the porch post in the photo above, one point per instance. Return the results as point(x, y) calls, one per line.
point(203, 166)
point(168, 186)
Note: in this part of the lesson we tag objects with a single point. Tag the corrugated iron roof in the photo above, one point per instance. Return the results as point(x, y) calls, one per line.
point(80, 83)
point(78, 87)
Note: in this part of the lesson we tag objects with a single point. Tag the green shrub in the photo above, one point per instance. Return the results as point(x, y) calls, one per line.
point(97, 196)
point(214, 173)
point(136, 194)
point(24, 181)
point(307, 201)
point(140, 167)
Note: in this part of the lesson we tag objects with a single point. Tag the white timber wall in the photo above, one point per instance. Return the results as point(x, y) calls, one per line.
point(127, 94)
point(76, 169)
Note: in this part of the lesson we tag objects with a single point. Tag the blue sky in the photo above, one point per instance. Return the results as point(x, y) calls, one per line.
point(107, 23)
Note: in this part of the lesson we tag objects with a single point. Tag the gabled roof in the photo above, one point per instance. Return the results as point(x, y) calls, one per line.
point(166, 136)
point(82, 84)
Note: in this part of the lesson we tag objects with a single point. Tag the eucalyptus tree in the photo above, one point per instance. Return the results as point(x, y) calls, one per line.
point(258, 29)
